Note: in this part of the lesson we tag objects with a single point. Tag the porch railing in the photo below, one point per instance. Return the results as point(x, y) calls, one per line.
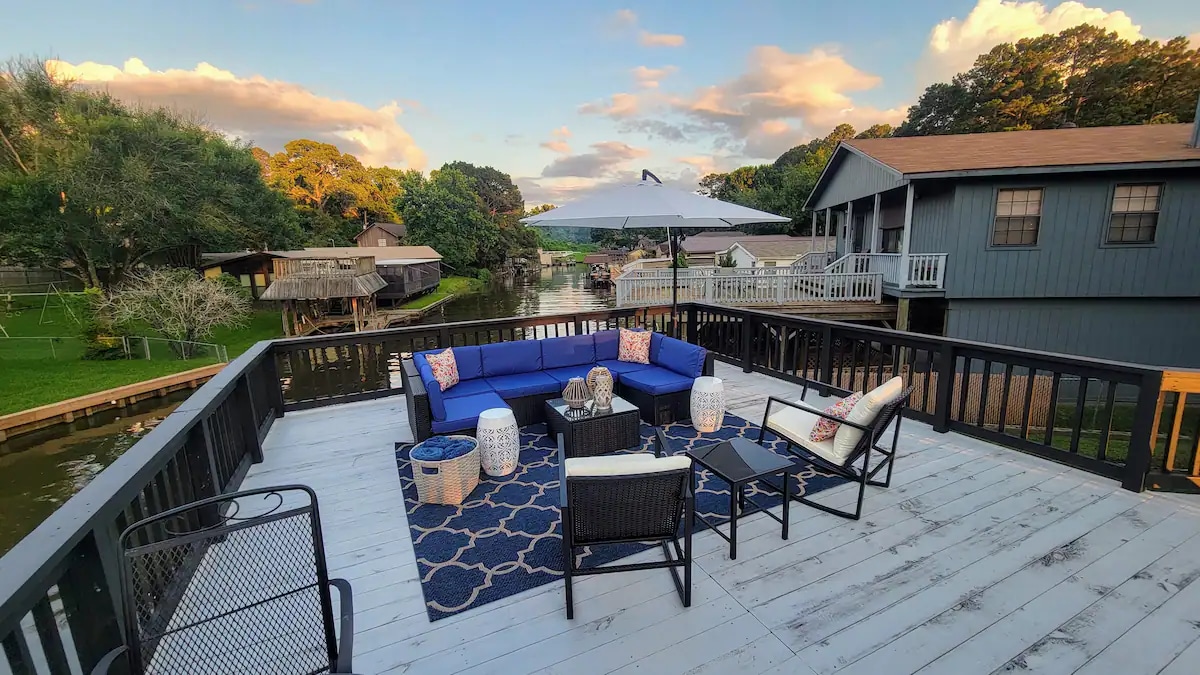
point(924, 270)
point(60, 605)
point(760, 286)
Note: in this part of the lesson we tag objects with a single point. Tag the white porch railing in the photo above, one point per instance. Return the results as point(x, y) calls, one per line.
point(925, 270)
point(770, 286)
point(813, 261)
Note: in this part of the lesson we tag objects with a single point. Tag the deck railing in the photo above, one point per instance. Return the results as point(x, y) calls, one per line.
point(60, 604)
point(757, 286)
point(925, 270)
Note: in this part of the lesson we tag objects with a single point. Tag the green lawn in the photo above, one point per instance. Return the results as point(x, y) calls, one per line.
point(446, 287)
point(33, 377)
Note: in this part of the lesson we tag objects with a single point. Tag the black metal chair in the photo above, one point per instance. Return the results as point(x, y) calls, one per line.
point(867, 444)
point(232, 584)
point(624, 503)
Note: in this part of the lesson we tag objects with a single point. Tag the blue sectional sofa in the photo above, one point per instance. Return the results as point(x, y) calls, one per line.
point(523, 374)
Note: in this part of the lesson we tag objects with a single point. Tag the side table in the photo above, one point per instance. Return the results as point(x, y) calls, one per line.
point(738, 462)
point(499, 441)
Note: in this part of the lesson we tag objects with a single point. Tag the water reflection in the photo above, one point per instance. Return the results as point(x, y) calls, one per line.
point(41, 470)
point(555, 290)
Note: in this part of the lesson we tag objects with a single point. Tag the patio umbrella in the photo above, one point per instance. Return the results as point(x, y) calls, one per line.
point(652, 204)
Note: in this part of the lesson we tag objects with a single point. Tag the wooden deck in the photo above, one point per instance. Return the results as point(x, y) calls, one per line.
point(978, 559)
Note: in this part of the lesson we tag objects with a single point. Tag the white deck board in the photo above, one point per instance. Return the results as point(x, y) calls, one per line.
point(977, 559)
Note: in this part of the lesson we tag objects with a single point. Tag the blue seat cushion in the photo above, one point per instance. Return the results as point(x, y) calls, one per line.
point(655, 380)
point(608, 344)
point(619, 368)
point(463, 412)
point(468, 388)
point(679, 356)
point(575, 350)
point(506, 358)
point(564, 375)
point(523, 384)
point(437, 406)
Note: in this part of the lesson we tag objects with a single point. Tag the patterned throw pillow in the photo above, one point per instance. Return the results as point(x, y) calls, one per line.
point(444, 367)
point(825, 429)
point(634, 346)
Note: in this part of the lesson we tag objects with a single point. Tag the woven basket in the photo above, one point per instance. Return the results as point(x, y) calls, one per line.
point(449, 481)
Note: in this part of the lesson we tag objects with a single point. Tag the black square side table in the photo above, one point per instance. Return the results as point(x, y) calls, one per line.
point(590, 431)
point(739, 462)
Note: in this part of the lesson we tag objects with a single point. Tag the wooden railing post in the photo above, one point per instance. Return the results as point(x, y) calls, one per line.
point(825, 361)
point(747, 329)
point(274, 384)
point(692, 329)
point(578, 325)
point(945, 387)
point(247, 418)
point(92, 600)
point(1142, 436)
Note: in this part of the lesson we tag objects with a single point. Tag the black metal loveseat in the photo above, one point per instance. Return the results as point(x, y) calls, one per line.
point(524, 374)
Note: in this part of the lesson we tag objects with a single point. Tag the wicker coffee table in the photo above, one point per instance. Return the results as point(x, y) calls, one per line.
point(587, 431)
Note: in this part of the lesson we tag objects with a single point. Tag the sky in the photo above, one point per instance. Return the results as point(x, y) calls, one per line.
point(566, 97)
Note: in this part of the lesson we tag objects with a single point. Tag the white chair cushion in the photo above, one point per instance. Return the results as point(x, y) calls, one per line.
point(864, 413)
point(797, 426)
point(625, 465)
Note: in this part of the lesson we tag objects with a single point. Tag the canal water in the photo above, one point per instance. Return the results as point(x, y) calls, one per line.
point(41, 470)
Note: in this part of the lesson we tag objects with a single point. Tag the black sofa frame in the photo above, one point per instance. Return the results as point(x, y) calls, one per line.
point(657, 410)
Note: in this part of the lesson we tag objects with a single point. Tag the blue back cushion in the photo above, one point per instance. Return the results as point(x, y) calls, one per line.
point(506, 358)
point(469, 362)
point(679, 356)
point(607, 344)
point(568, 351)
point(437, 405)
point(655, 346)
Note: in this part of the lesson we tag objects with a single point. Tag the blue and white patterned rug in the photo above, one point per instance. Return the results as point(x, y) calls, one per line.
point(507, 538)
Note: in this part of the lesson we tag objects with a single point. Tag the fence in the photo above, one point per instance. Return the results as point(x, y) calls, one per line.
point(128, 347)
point(764, 286)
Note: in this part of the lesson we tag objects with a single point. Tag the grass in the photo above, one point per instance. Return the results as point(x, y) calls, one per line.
point(446, 287)
point(32, 377)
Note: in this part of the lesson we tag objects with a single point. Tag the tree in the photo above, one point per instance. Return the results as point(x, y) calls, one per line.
point(178, 304)
point(88, 181)
point(444, 212)
point(496, 190)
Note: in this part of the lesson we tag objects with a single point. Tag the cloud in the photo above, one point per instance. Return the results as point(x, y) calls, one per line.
point(605, 158)
point(621, 105)
point(557, 142)
point(955, 43)
point(650, 77)
point(781, 99)
point(559, 191)
point(269, 112)
point(655, 128)
point(624, 18)
point(648, 39)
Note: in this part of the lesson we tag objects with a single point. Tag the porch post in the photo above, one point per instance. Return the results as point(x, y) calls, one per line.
point(849, 228)
point(828, 216)
point(904, 236)
point(813, 245)
point(875, 224)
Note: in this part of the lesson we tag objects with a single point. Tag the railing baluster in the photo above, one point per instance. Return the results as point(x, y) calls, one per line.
point(964, 391)
point(1105, 422)
point(1052, 410)
point(1005, 392)
point(1027, 410)
point(50, 639)
point(983, 393)
point(16, 649)
point(1077, 419)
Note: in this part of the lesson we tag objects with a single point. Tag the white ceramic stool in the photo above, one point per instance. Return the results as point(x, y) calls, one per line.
point(708, 403)
point(499, 441)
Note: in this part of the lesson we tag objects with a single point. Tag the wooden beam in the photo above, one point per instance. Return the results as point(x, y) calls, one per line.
point(1173, 439)
point(909, 198)
point(875, 224)
point(1180, 380)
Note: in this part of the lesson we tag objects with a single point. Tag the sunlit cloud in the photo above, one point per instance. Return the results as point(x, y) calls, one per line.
point(651, 77)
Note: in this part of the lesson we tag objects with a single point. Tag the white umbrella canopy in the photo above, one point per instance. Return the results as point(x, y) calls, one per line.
point(650, 204)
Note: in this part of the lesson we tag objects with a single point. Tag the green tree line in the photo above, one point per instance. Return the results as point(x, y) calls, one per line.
point(1082, 76)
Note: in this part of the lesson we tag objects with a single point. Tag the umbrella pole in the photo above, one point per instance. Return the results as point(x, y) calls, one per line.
point(673, 245)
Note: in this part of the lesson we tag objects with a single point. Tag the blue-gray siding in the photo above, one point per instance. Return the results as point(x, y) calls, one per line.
point(1071, 258)
point(855, 177)
point(933, 218)
point(1157, 332)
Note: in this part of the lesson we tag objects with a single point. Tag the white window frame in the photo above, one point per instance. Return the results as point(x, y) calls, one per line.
point(1019, 199)
point(1138, 194)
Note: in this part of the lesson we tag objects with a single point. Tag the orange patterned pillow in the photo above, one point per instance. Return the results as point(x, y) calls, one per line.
point(634, 346)
point(825, 428)
point(444, 367)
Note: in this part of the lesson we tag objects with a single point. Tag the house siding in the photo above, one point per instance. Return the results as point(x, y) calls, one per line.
point(1070, 258)
point(370, 237)
point(856, 177)
point(1163, 332)
point(933, 218)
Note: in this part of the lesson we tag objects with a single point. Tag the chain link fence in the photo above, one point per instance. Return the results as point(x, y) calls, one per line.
point(129, 347)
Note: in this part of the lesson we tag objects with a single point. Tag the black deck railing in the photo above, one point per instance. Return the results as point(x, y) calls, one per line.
point(60, 605)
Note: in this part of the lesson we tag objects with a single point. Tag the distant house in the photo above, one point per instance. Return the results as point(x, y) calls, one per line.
point(775, 253)
point(703, 248)
point(1080, 240)
point(381, 234)
point(408, 270)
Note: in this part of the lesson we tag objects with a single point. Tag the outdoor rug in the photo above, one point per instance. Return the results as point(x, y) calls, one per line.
point(507, 538)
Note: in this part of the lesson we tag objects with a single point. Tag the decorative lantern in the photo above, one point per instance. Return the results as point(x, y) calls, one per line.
point(708, 403)
point(600, 381)
point(576, 393)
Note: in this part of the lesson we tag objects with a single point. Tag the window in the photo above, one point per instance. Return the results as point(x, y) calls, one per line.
point(1018, 215)
point(768, 263)
point(244, 279)
point(1134, 214)
point(891, 240)
point(382, 242)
